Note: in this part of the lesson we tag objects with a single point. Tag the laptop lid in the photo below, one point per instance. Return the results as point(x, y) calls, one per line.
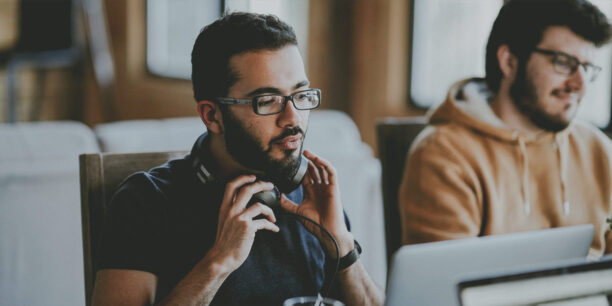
point(579, 283)
point(427, 274)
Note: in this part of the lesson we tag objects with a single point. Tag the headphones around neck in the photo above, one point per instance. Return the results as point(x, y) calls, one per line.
point(270, 197)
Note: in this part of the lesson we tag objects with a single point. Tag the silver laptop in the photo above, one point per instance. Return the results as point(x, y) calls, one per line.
point(427, 274)
point(578, 283)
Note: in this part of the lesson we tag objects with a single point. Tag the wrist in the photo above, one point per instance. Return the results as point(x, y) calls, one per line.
point(350, 258)
point(346, 243)
point(215, 264)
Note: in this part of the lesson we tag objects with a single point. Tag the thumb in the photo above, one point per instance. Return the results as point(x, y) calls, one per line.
point(288, 205)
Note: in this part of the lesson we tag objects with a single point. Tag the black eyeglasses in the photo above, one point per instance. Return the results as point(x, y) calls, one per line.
point(274, 104)
point(568, 64)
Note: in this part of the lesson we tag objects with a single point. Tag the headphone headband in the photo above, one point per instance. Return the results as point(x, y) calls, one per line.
point(202, 173)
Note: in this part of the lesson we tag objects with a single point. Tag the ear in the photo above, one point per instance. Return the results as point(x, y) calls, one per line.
point(508, 63)
point(211, 116)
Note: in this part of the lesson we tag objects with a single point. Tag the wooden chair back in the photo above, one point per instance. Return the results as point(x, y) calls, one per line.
point(100, 175)
point(395, 136)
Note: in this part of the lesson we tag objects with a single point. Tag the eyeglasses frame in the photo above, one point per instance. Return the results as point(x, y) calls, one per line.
point(253, 101)
point(556, 54)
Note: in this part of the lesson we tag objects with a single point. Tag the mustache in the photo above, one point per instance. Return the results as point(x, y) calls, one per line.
point(565, 90)
point(288, 132)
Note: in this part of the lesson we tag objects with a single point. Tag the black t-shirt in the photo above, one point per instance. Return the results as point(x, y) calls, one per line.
point(165, 220)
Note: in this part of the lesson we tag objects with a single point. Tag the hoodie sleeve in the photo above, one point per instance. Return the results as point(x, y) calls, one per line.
point(439, 197)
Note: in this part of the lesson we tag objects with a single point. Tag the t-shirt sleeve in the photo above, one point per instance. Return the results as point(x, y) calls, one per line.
point(132, 235)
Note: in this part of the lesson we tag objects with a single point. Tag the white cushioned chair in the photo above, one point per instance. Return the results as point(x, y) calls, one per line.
point(40, 217)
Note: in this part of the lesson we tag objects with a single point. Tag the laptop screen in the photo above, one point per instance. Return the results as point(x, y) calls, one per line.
point(581, 284)
point(428, 273)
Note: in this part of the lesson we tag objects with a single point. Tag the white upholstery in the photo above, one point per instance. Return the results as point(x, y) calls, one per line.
point(334, 136)
point(41, 255)
point(175, 134)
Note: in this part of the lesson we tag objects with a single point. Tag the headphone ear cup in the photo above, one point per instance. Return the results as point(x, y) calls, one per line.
point(270, 198)
point(296, 178)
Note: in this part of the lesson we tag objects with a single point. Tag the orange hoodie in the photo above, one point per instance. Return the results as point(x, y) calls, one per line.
point(467, 174)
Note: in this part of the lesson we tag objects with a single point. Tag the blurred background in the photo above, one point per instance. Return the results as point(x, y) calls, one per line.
point(100, 61)
point(91, 76)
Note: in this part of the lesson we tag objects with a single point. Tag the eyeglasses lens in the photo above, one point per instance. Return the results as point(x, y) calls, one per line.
point(269, 104)
point(306, 100)
point(567, 65)
point(272, 104)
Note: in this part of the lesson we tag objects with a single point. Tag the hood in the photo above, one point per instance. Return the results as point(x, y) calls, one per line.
point(467, 103)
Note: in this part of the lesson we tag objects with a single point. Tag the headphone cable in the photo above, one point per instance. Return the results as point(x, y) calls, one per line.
point(331, 281)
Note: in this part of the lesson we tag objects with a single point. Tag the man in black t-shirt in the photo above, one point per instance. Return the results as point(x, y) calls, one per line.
point(187, 233)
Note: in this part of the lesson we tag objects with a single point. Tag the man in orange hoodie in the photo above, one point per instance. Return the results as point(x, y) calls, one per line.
point(504, 154)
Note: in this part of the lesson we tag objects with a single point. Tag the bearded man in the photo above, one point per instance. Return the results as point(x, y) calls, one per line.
point(504, 154)
point(189, 233)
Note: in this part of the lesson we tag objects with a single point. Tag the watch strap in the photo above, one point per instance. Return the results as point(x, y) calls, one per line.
point(350, 258)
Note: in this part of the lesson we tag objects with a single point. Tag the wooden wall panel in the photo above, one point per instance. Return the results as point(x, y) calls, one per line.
point(380, 61)
point(371, 39)
point(140, 94)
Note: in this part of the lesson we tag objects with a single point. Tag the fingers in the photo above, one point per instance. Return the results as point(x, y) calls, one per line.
point(259, 209)
point(321, 169)
point(245, 194)
point(324, 174)
point(313, 173)
point(239, 191)
point(232, 187)
point(265, 224)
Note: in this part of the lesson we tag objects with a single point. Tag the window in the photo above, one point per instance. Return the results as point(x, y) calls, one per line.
point(294, 13)
point(448, 44)
point(172, 27)
point(595, 106)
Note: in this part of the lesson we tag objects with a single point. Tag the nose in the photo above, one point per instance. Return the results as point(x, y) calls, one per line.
point(289, 117)
point(576, 79)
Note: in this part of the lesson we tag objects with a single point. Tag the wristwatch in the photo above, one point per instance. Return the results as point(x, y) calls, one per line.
point(350, 258)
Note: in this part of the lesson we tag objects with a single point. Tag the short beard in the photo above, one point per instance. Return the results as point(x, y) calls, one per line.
point(524, 95)
point(246, 149)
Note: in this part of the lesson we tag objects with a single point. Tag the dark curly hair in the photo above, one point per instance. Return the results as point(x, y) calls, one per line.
point(230, 35)
point(521, 23)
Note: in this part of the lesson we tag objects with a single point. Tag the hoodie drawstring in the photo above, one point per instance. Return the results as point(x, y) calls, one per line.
point(524, 160)
point(524, 175)
point(562, 169)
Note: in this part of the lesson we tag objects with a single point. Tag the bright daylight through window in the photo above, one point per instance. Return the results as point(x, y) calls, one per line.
point(172, 27)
